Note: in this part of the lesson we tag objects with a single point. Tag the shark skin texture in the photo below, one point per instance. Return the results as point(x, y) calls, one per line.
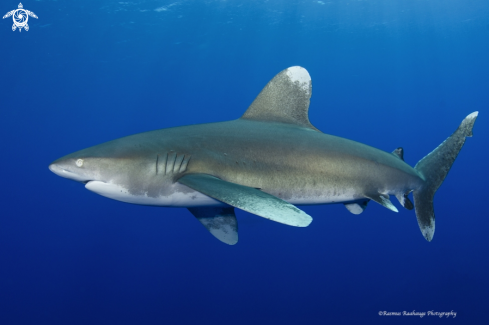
point(267, 162)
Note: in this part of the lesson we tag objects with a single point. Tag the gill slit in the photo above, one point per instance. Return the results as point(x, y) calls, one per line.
point(157, 158)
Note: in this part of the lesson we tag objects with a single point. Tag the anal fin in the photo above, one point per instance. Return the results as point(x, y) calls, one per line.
point(383, 199)
point(404, 200)
point(221, 222)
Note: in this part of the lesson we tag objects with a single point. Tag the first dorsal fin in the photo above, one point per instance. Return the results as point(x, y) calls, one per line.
point(284, 99)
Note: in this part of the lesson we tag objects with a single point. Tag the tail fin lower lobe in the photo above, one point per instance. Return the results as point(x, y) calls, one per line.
point(433, 169)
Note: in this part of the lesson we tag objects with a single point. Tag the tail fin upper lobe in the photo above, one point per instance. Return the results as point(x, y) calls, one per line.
point(433, 169)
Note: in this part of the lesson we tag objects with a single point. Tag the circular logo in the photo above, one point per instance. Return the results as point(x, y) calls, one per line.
point(20, 17)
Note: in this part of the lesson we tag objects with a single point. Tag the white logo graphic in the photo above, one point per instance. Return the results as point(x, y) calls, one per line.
point(20, 17)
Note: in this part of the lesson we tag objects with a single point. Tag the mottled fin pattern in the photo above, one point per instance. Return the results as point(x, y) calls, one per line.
point(171, 163)
point(433, 169)
point(284, 99)
point(248, 199)
point(221, 222)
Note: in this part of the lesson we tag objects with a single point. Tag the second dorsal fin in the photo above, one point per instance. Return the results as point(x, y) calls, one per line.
point(284, 99)
point(399, 153)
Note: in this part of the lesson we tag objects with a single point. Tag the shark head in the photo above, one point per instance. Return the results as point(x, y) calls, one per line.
point(106, 162)
point(133, 169)
point(72, 168)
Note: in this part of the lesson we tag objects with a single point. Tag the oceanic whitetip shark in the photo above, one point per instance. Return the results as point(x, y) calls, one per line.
point(265, 163)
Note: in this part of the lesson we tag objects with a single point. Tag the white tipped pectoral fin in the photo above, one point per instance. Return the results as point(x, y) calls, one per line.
point(221, 222)
point(248, 199)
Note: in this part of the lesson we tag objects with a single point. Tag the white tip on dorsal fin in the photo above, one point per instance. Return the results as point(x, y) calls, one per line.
point(284, 99)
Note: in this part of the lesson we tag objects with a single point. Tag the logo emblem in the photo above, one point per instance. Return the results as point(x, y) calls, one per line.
point(20, 17)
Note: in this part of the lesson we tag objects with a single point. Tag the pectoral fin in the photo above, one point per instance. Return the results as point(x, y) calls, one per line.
point(221, 222)
point(248, 199)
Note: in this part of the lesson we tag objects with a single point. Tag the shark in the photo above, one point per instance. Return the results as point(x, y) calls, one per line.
point(267, 162)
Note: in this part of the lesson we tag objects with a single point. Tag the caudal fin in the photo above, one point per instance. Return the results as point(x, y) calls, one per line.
point(433, 169)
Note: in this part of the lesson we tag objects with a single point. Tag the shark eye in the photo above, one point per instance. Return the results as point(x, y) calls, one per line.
point(79, 162)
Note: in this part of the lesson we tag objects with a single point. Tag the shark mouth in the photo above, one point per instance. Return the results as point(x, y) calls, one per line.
point(68, 174)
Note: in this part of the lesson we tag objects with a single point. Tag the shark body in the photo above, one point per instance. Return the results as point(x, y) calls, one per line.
point(266, 163)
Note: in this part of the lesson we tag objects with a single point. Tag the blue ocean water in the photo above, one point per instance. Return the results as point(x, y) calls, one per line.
point(387, 73)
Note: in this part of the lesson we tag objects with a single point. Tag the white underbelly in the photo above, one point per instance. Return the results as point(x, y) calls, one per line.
point(184, 197)
point(181, 196)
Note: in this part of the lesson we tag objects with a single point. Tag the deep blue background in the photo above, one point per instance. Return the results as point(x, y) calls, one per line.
point(388, 73)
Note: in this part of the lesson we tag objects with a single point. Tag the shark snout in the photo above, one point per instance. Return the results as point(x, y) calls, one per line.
point(63, 169)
